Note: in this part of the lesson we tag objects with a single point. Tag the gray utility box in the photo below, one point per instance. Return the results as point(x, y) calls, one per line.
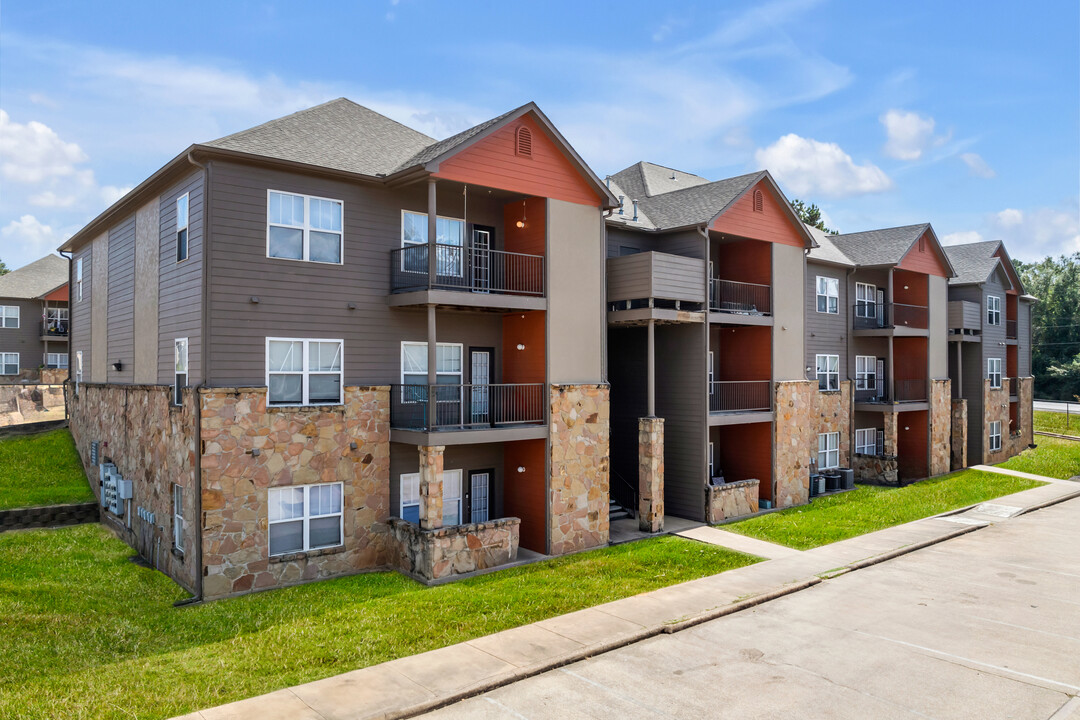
point(114, 490)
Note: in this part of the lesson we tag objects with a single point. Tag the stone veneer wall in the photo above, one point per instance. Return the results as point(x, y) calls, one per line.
point(959, 449)
point(297, 446)
point(940, 425)
point(995, 407)
point(651, 474)
point(731, 500)
point(53, 376)
point(579, 481)
point(446, 551)
point(152, 443)
point(876, 470)
point(802, 412)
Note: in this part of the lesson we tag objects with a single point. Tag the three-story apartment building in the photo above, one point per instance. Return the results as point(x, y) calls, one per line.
point(34, 321)
point(330, 343)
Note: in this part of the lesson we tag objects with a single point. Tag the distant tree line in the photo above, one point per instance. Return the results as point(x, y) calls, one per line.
point(1055, 320)
point(811, 215)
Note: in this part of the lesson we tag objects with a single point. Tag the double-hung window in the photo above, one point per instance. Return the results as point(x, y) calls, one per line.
point(56, 360)
point(304, 372)
point(993, 371)
point(182, 228)
point(451, 497)
point(865, 372)
point(9, 316)
point(995, 436)
point(305, 517)
point(409, 504)
point(180, 370)
point(178, 517)
point(449, 240)
point(828, 451)
point(302, 227)
point(866, 441)
point(828, 295)
point(78, 279)
point(828, 372)
point(9, 363)
point(865, 300)
point(414, 366)
point(993, 310)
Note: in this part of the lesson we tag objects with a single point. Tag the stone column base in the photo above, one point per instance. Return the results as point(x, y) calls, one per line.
point(651, 474)
point(959, 453)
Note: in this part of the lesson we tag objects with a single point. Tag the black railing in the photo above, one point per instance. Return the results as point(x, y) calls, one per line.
point(740, 298)
point(869, 315)
point(871, 388)
point(54, 328)
point(1014, 386)
point(466, 269)
point(740, 396)
point(625, 493)
point(910, 391)
point(1010, 329)
point(467, 407)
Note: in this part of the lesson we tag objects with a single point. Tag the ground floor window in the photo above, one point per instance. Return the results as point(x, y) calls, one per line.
point(305, 517)
point(9, 363)
point(866, 441)
point(995, 436)
point(178, 517)
point(409, 506)
point(56, 360)
point(828, 450)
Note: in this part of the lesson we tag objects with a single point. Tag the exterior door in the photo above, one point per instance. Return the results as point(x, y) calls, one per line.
point(479, 499)
point(480, 388)
point(881, 308)
point(879, 381)
point(481, 260)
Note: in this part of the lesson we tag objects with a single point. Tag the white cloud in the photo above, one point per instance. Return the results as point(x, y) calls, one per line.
point(31, 236)
point(1035, 233)
point(1009, 217)
point(962, 238)
point(33, 152)
point(977, 165)
point(809, 167)
point(909, 134)
point(110, 193)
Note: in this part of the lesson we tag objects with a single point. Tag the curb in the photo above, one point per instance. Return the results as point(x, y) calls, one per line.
point(1059, 437)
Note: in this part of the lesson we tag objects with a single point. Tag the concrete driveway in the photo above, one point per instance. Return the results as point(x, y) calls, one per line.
point(984, 626)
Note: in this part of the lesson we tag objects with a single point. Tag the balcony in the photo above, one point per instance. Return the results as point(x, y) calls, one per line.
point(870, 318)
point(965, 321)
point(466, 414)
point(54, 329)
point(655, 285)
point(741, 301)
point(1010, 330)
point(907, 391)
point(740, 401)
point(467, 276)
point(1014, 386)
point(876, 391)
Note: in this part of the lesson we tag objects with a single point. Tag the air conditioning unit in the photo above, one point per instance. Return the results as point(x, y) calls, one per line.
point(114, 490)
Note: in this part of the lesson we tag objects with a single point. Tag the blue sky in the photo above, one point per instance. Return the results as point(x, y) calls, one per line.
point(963, 114)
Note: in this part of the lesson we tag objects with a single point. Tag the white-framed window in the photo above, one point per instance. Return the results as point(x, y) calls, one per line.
point(865, 372)
point(9, 317)
point(180, 369)
point(828, 295)
point(828, 450)
point(9, 363)
point(448, 367)
point(56, 320)
point(828, 372)
point(409, 501)
point(56, 360)
point(182, 228)
point(304, 372)
point(993, 371)
point(449, 236)
point(865, 300)
point(78, 279)
point(178, 517)
point(304, 227)
point(451, 497)
point(866, 441)
point(78, 370)
point(993, 310)
point(712, 460)
point(305, 517)
point(995, 436)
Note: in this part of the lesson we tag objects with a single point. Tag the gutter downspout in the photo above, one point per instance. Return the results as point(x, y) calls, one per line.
point(71, 332)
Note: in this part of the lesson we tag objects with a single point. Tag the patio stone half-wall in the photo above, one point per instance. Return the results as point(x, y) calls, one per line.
point(454, 549)
point(731, 500)
point(579, 483)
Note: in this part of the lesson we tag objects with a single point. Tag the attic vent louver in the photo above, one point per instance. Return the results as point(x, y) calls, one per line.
point(523, 144)
point(759, 201)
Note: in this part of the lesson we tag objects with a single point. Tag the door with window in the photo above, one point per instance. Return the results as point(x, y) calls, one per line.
point(479, 495)
point(480, 386)
point(481, 259)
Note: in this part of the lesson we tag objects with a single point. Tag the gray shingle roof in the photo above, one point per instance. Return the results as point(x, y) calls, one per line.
point(695, 204)
point(827, 251)
point(36, 279)
point(338, 134)
point(879, 247)
point(973, 262)
point(436, 149)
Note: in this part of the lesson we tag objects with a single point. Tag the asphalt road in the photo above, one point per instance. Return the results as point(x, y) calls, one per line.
point(1054, 406)
point(986, 625)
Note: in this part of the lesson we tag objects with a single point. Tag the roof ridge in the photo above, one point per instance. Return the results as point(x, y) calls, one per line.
point(669, 193)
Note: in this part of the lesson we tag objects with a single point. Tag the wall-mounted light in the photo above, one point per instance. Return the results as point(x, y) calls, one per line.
point(520, 346)
point(351, 306)
point(521, 222)
point(254, 299)
point(118, 366)
point(521, 468)
point(905, 287)
point(906, 427)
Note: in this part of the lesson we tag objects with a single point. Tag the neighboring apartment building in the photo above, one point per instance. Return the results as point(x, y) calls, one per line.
point(876, 339)
point(990, 354)
point(705, 335)
point(34, 321)
point(330, 343)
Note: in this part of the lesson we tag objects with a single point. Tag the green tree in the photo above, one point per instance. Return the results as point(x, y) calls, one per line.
point(3, 268)
point(811, 215)
point(1055, 321)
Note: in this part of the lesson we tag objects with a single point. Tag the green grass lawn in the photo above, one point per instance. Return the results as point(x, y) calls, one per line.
point(1053, 422)
point(88, 634)
point(1053, 457)
point(41, 469)
point(868, 508)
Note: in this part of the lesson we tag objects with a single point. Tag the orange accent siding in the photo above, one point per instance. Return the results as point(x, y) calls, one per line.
point(772, 224)
point(912, 444)
point(918, 288)
point(493, 162)
point(60, 294)
point(1011, 273)
point(532, 238)
point(1011, 364)
point(524, 495)
point(744, 261)
point(910, 358)
point(744, 353)
point(744, 452)
point(528, 365)
point(928, 260)
point(1011, 308)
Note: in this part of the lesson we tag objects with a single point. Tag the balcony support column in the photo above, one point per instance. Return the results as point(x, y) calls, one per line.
point(432, 375)
point(431, 486)
point(432, 218)
point(651, 474)
point(651, 362)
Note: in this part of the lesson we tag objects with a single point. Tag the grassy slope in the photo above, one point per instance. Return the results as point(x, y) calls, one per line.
point(1053, 422)
point(868, 508)
point(41, 469)
point(88, 634)
point(1053, 457)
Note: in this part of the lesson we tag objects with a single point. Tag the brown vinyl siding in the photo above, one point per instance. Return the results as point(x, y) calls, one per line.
point(180, 284)
point(826, 334)
point(80, 311)
point(26, 339)
point(618, 238)
point(121, 308)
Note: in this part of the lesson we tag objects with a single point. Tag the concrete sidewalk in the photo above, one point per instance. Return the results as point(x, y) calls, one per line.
point(419, 683)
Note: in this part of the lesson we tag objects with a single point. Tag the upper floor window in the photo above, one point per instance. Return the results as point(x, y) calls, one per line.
point(78, 279)
point(303, 227)
point(993, 310)
point(828, 372)
point(865, 372)
point(180, 376)
point(78, 370)
point(182, 228)
point(9, 316)
point(414, 365)
point(9, 363)
point(304, 372)
point(304, 517)
point(993, 371)
point(828, 295)
point(449, 236)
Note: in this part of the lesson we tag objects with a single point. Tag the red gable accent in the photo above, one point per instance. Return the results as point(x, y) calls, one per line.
point(1015, 289)
point(494, 162)
point(925, 257)
point(772, 224)
point(59, 294)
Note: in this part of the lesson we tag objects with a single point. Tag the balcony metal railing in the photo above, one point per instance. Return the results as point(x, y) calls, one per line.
point(468, 407)
point(54, 328)
point(871, 388)
point(1013, 385)
point(467, 269)
point(869, 315)
point(1010, 329)
point(741, 298)
point(740, 396)
point(910, 391)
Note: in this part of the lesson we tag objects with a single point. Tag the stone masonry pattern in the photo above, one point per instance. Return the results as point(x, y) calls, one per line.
point(940, 426)
point(442, 552)
point(803, 411)
point(731, 500)
point(651, 474)
point(959, 449)
point(579, 482)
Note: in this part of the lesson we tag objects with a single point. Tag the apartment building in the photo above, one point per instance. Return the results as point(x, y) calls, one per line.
point(876, 340)
point(331, 343)
point(989, 355)
point(34, 322)
point(705, 336)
